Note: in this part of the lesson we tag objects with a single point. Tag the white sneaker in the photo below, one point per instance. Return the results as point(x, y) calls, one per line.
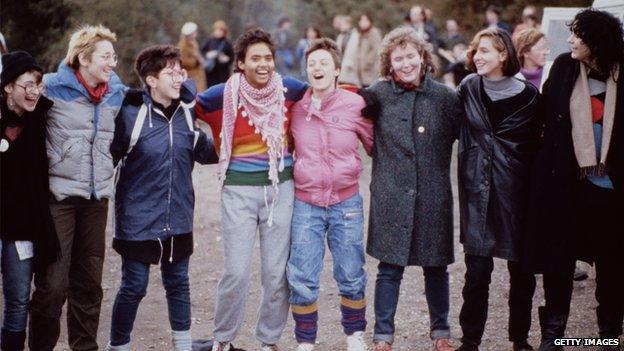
point(221, 346)
point(355, 342)
point(305, 347)
point(266, 347)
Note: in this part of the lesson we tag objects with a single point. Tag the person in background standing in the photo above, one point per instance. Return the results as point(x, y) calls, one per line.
point(310, 34)
point(532, 49)
point(192, 59)
point(493, 20)
point(360, 65)
point(218, 54)
point(284, 56)
point(529, 20)
point(345, 26)
point(418, 21)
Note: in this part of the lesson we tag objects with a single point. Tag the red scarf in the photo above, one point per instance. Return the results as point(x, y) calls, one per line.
point(95, 94)
point(402, 84)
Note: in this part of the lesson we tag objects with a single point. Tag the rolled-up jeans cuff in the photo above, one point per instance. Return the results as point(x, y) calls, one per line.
point(389, 338)
point(440, 334)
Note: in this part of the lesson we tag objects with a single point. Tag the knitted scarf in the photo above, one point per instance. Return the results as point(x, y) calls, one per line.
point(582, 131)
point(263, 108)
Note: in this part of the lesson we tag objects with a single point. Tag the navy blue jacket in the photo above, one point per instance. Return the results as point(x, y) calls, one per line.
point(154, 196)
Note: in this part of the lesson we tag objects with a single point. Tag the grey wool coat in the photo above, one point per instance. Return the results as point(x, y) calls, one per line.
point(411, 211)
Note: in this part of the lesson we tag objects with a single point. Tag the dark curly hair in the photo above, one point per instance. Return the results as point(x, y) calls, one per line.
point(603, 35)
point(251, 36)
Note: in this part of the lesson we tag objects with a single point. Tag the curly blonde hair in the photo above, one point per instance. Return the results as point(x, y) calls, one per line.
point(401, 37)
point(82, 42)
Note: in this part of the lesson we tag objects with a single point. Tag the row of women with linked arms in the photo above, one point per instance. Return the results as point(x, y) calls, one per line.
point(540, 184)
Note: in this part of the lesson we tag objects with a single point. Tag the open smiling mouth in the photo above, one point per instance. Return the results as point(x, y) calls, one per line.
point(318, 76)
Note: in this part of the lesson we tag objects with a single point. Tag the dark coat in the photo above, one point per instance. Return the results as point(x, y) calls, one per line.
point(221, 71)
point(154, 197)
point(411, 211)
point(552, 239)
point(494, 164)
point(24, 183)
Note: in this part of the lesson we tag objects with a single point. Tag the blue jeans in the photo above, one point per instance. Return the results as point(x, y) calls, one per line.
point(344, 225)
point(387, 287)
point(133, 288)
point(16, 277)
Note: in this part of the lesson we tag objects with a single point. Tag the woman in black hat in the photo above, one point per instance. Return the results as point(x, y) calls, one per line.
point(28, 240)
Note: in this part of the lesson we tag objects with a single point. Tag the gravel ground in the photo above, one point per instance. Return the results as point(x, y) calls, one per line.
point(151, 330)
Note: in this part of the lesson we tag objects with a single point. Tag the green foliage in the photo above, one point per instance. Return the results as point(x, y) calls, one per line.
point(43, 27)
point(36, 26)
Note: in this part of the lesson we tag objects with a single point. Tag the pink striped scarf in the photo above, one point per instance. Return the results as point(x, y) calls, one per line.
point(265, 109)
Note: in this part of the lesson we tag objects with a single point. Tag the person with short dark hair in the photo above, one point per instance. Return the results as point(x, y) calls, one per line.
point(498, 141)
point(328, 205)
point(28, 240)
point(493, 19)
point(156, 144)
point(250, 113)
point(577, 181)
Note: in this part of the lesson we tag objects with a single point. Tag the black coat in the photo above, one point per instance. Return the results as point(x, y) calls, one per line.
point(221, 71)
point(494, 164)
point(552, 237)
point(24, 185)
point(411, 210)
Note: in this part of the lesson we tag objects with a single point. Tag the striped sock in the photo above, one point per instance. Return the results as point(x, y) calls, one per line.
point(353, 315)
point(306, 318)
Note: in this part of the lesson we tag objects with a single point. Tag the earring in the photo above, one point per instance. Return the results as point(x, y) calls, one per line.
point(10, 103)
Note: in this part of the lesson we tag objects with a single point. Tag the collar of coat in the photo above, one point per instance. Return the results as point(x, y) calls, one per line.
point(423, 86)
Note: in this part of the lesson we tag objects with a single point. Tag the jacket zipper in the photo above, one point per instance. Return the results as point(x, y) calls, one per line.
point(170, 168)
point(96, 119)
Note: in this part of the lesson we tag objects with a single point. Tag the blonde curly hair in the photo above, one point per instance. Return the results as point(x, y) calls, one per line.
point(401, 37)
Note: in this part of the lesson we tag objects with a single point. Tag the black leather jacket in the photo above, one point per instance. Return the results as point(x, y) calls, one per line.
point(494, 165)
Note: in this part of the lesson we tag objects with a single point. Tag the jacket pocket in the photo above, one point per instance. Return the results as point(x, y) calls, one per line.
point(104, 165)
point(469, 166)
point(72, 163)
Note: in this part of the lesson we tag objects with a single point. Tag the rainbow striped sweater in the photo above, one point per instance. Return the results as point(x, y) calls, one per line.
point(249, 163)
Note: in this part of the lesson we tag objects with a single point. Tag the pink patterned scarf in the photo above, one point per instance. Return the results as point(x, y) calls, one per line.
point(264, 108)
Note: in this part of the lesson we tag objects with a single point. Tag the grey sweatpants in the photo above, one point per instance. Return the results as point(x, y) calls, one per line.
point(244, 212)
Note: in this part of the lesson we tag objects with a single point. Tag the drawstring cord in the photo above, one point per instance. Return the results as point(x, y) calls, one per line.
point(161, 251)
point(171, 251)
point(266, 204)
point(150, 116)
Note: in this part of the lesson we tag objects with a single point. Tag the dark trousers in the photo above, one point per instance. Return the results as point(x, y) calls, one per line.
point(75, 277)
point(474, 311)
point(387, 289)
point(602, 238)
point(134, 279)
